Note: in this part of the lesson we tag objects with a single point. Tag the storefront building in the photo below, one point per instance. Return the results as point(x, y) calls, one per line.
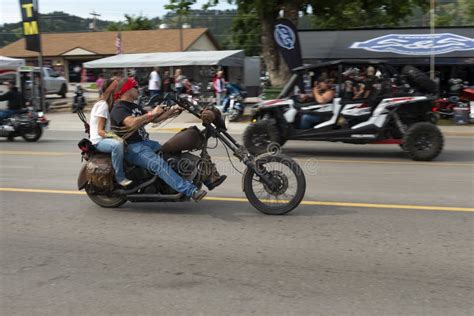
point(452, 48)
point(66, 52)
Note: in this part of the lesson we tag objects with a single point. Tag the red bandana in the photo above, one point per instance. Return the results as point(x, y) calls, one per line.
point(131, 83)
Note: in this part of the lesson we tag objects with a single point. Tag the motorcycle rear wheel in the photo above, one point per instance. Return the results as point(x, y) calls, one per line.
point(107, 201)
point(234, 115)
point(279, 200)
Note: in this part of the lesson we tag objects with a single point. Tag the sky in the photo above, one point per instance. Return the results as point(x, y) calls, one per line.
point(111, 10)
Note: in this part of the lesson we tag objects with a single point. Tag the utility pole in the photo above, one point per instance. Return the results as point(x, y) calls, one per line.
point(432, 32)
point(94, 20)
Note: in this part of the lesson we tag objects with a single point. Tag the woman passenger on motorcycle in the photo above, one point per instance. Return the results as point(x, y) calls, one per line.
point(100, 132)
point(323, 93)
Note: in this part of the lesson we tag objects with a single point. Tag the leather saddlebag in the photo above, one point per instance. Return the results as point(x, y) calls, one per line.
point(100, 172)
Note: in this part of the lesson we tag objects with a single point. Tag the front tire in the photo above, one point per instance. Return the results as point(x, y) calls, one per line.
point(33, 134)
point(107, 201)
point(423, 141)
point(260, 135)
point(289, 177)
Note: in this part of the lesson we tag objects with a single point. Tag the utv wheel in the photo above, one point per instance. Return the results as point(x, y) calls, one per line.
point(33, 134)
point(423, 141)
point(260, 135)
point(63, 91)
point(107, 201)
point(419, 79)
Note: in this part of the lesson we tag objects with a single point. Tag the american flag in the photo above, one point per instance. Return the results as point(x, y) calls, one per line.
point(118, 43)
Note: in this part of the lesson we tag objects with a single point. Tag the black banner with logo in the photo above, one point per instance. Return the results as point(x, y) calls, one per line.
point(286, 38)
point(30, 24)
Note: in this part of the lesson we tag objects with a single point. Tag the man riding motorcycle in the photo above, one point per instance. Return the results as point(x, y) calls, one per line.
point(15, 101)
point(141, 151)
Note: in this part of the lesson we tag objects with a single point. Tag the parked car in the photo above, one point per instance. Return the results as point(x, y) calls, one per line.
point(53, 82)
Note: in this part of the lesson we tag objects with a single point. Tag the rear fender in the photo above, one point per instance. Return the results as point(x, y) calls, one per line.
point(82, 178)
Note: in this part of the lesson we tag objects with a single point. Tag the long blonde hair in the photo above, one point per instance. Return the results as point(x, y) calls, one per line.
point(108, 89)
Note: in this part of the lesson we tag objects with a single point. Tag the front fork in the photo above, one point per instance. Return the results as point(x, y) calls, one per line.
point(243, 155)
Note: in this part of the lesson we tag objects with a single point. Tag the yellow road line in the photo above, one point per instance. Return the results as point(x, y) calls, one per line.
point(321, 203)
point(342, 161)
point(42, 191)
point(368, 161)
point(35, 153)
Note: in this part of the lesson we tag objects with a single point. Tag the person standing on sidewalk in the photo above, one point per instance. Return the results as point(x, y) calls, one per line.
point(219, 87)
point(154, 82)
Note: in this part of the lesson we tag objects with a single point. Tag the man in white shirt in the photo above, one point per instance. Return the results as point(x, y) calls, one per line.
point(154, 82)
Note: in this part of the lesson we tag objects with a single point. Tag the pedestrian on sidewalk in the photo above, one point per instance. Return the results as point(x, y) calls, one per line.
point(218, 83)
point(154, 82)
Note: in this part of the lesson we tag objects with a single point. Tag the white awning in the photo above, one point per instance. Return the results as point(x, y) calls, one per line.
point(230, 58)
point(11, 63)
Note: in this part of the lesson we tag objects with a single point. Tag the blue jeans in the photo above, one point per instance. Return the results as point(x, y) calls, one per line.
point(309, 120)
point(115, 147)
point(143, 154)
point(4, 114)
point(153, 93)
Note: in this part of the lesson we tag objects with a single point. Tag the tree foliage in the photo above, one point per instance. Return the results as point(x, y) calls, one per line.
point(132, 23)
point(455, 13)
point(255, 19)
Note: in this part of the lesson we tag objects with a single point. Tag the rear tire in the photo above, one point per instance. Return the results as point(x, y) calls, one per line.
point(234, 115)
point(260, 135)
point(33, 135)
point(423, 141)
point(107, 201)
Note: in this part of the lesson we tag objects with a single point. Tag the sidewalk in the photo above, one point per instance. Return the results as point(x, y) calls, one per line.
point(66, 121)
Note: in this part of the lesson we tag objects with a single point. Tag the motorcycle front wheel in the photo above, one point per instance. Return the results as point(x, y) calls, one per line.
point(287, 191)
point(107, 201)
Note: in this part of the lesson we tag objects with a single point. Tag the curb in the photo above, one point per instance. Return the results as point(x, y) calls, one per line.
point(466, 134)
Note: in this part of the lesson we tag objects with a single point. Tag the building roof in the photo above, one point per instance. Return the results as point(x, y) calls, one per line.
point(103, 43)
point(230, 58)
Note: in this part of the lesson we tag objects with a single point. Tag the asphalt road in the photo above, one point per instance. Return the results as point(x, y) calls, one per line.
point(378, 234)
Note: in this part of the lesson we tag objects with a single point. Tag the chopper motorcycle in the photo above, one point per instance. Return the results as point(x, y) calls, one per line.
point(273, 183)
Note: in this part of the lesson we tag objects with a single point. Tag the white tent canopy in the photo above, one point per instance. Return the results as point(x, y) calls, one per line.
point(11, 63)
point(230, 58)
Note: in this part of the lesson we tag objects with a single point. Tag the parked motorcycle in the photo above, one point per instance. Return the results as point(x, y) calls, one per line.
point(79, 100)
point(27, 124)
point(459, 95)
point(274, 184)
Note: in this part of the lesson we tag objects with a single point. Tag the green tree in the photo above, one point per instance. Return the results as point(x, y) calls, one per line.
point(455, 13)
point(327, 13)
point(132, 23)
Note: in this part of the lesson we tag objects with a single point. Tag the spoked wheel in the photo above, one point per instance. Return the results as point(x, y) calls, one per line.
point(286, 189)
point(107, 201)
